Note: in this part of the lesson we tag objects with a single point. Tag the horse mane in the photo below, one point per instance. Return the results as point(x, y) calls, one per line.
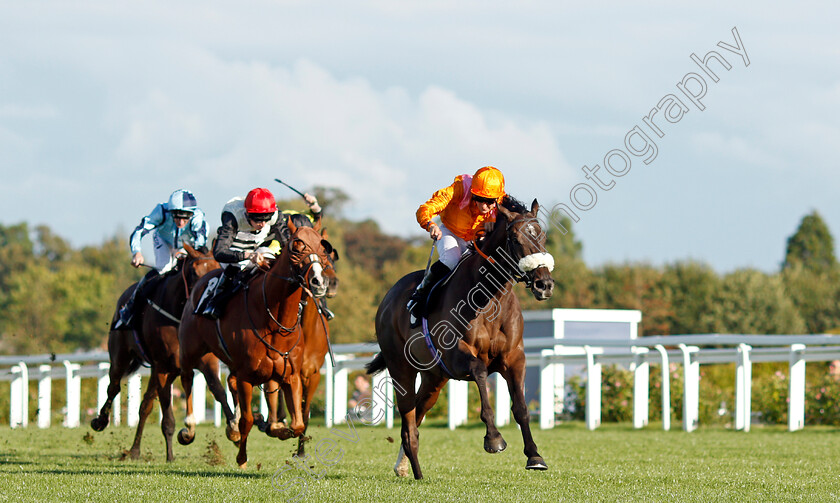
point(510, 203)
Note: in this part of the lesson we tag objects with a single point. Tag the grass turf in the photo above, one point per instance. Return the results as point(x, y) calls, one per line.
point(613, 463)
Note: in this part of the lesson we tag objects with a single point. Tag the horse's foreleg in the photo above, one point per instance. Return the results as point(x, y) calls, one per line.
point(310, 385)
point(270, 390)
point(187, 435)
point(294, 405)
point(493, 441)
point(515, 377)
point(155, 382)
point(245, 422)
point(167, 425)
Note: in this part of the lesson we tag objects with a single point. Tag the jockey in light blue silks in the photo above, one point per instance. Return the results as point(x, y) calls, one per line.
point(177, 221)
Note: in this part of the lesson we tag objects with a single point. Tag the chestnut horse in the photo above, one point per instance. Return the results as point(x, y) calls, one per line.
point(476, 329)
point(156, 343)
point(258, 337)
point(316, 333)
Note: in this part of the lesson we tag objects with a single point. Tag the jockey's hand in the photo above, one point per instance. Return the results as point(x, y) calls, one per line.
point(312, 202)
point(137, 260)
point(256, 257)
point(435, 231)
point(181, 253)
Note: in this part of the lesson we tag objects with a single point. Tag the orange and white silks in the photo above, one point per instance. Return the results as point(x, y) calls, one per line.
point(452, 203)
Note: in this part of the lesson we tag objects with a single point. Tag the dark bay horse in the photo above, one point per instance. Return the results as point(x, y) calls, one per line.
point(156, 344)
point(475, 327)
point(258, 337)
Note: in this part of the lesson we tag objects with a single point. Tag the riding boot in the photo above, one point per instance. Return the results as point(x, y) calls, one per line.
point(127, 312)
point(417, 303)
point(221, 294)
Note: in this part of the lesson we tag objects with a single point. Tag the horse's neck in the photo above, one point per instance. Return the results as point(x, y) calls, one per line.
point(171, 292)
point(282, 293)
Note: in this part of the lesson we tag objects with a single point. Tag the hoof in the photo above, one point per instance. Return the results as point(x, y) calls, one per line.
point(134, 453)
point(494, 445)
point(243, 465)
point(185, 437)
point(536, 463)
point(99, 424)
point(232, 435)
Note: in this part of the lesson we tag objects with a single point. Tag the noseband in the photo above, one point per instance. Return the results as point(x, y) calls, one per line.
point(525, 269)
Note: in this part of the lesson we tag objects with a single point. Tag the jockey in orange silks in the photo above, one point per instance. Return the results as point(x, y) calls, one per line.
point(463, 207)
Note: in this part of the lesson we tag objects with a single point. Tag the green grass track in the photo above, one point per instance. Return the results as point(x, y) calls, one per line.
point(613, 463)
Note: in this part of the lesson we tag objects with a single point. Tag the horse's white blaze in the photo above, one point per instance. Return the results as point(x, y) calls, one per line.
point(318, 282)
point(534, 260)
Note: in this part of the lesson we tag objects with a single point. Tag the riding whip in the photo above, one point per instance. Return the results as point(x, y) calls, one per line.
point(287, 185)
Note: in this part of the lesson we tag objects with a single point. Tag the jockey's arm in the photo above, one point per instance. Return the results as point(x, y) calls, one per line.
point(222, 251)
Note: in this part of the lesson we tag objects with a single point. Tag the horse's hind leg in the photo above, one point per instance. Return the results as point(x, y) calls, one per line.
point(167, 425)
point(120, 361)
point(515, 377)
point(493, 441)
point(187, 434)
point(210, 370)
point(155, 382)
point(427, 395)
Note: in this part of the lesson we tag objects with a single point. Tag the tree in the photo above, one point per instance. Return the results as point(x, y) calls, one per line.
point(811, 246)
point(693, 287)
point(751, 302)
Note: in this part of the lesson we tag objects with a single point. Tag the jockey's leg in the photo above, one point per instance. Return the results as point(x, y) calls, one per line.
point(450, 248)
point(322, 302)
point(221, 293)
point(127, 312)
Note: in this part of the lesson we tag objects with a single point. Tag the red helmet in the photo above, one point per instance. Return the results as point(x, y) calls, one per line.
point(259, 201)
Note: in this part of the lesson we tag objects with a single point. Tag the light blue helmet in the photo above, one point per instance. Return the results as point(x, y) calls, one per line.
point(182, 202)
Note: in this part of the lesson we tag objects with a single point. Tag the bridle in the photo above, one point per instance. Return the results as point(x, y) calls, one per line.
point(516, 272)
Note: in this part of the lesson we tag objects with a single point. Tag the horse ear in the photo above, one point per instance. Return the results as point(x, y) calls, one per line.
point(190, 250)
point(317, 225)
point(291, 225)
point(324, 233)
point(535, 208)
point(504, 211)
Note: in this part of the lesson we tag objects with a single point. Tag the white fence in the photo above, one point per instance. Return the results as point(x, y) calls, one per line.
point(542, 352)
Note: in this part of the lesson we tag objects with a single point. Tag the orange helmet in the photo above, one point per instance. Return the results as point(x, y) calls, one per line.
point(488, 182)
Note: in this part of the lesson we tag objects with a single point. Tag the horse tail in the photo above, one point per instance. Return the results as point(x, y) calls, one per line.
point(376, 365)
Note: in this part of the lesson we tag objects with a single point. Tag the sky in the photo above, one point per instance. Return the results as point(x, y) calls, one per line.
point(107, 107)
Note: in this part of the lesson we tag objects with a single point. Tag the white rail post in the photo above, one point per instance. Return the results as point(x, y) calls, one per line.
point(340, 376)
point(502, 401)
point(389, 406)
point(743, 388)
point(691, 393)
point(796, 393)
point(329, 393)
point(19, 396)
point(593, 388)
point(547, 376)
point(380, 398)
point(134, 398)
point(199, 398)
point(44, 396)
point(666, 387)
point(458, 406)
point(74, 391)
point(641, 387)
